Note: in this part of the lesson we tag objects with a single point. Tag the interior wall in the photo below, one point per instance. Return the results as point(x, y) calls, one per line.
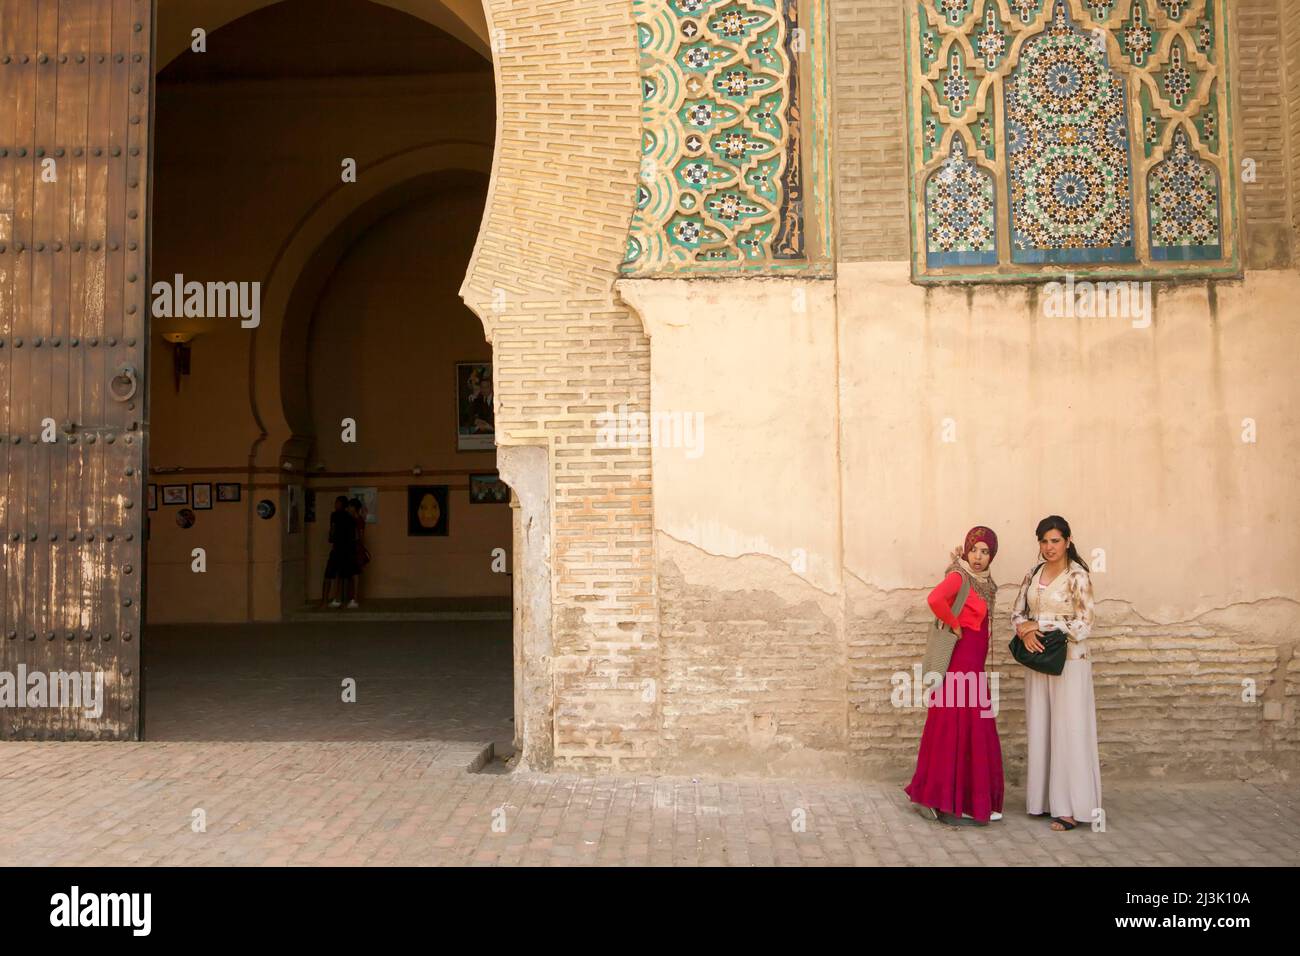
point(386, 334)
point(228, 155)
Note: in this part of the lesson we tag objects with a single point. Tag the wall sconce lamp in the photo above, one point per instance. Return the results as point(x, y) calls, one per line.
point(180, 354)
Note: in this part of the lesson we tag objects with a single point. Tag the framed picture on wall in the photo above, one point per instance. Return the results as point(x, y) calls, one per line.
point(369, 502)
point(475, 421)
point(202, 496)
point(426, 511)
point(176, 494)
point(227, 491)
point(488, 490)
point(152, 494)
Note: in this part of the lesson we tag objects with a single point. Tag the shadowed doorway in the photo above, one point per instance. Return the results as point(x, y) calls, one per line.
point(257, 138)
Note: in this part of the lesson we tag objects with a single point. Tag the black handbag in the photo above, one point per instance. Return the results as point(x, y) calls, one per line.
point(1050, 660)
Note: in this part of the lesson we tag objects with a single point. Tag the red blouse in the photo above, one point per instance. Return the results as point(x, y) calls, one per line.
point(943, 597)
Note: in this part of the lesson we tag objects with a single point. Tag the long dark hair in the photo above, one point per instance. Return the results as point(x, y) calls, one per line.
point(1057, 523)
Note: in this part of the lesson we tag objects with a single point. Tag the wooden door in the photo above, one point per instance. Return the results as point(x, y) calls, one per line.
point(75, 109)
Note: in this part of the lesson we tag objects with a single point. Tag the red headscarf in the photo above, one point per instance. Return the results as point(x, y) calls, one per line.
point(980, 533)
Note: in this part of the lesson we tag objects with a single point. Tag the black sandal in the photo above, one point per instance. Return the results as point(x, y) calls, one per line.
point(1066, 826)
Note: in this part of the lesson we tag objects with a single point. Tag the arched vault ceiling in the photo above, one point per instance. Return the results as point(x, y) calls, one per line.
point(462, 19)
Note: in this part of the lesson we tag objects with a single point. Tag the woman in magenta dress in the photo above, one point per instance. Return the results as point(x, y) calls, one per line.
point(959, 767)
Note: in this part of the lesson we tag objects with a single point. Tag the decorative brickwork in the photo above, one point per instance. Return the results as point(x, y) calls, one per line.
point(871, 217)
point(1267, 50)
point(1291, 61)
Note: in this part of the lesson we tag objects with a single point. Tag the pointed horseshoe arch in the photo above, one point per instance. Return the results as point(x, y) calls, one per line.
point(560, 199)
point(303, 264)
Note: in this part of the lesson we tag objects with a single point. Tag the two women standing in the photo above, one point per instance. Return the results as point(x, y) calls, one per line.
point(959, 765)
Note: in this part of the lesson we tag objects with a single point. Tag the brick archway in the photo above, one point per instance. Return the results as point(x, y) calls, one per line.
point(566, 349)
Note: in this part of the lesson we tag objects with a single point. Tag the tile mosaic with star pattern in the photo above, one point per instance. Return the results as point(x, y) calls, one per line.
point(1094, 124)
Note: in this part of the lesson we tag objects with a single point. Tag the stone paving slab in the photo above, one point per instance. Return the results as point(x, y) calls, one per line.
point(378, 802)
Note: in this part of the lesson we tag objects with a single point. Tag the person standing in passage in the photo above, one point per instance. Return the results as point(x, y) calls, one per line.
point(959, 765)
point(357, 509)
point(1064, 772)
point(340, 567)
point(331, 571)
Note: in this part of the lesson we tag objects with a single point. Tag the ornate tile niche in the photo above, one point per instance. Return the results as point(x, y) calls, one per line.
point(1052, 136)
point(735, 160)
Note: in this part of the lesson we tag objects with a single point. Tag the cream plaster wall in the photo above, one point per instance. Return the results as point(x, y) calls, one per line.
point(1134, 434)
point(753, 363)
point(824, 432)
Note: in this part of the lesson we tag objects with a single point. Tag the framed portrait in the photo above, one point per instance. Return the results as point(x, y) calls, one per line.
point(475, 421)
point(185, 518)
point(426, 511)
point(227, 491)
point(176, 494)
point(151, 494)
point(202, 493)
point(488, 490)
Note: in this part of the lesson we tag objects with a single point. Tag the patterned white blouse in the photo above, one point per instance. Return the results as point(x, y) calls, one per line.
point(1066, 603)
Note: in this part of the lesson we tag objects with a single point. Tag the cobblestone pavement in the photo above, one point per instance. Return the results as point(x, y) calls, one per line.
point(427, 680)
point(385, 802)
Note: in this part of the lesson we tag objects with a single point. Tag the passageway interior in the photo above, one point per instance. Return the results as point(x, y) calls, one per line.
point(336, 153)
point(414, 680)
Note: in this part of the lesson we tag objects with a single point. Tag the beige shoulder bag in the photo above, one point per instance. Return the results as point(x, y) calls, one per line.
point(942, 640)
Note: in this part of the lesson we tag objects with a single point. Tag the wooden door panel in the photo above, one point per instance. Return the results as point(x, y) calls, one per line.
point(75, 87)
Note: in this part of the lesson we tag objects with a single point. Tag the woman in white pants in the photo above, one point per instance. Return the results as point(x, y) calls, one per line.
point(1064, 774)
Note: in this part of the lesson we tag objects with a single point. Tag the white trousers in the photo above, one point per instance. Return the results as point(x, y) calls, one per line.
point(1064, 773)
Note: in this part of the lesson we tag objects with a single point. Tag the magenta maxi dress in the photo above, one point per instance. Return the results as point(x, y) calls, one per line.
point(959, 766)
